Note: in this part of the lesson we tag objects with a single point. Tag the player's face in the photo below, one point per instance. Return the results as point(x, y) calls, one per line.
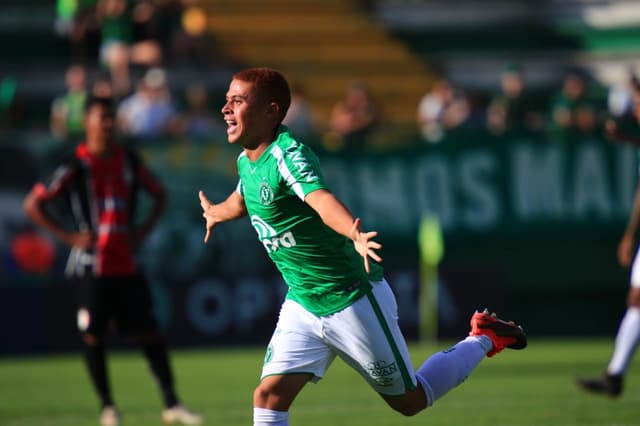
point(247, 116)
point(99, 125)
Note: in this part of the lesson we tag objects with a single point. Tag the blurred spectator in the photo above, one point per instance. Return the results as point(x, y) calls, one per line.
point(624, 110)
point(620, 131)
point(509, 110)
point(149, 112)
point(75, 21)
point(11, 110)
point(299, 118)
point(119, 47)
point(564, 103)
point(620, 97)
point(157, 20)
point(586, 122)
point(191, 43)
point(569, 104)
point(102, 87)
point(576, 111)
point(198, 121)
point(67, 110)
point(66, 11)
point(352, 119)
point(442, 108)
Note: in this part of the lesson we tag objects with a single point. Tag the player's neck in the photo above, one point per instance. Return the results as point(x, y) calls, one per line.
point(100, 149)
point(254, 153)
point(256, 149)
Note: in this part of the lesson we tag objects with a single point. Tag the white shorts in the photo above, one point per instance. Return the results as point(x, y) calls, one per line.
point(365, 335)
point(635, 271)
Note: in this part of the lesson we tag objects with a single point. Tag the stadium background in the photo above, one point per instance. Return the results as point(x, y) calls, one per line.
point(530, 220)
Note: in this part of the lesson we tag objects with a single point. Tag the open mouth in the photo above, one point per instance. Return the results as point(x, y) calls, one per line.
point(232, 125)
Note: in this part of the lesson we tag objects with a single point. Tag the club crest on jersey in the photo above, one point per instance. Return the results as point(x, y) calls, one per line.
point(268, 355)
point(266, 194)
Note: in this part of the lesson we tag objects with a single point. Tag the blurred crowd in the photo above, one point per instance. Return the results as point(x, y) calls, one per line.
point(139, 42)
point(129, 49)
point(578, 109)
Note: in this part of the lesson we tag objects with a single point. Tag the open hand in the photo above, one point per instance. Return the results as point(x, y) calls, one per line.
point(84, 240)
point(207, 214)
point(364, 244)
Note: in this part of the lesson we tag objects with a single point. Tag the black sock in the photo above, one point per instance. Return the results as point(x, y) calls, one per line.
point(158, 358)
point(95, 359)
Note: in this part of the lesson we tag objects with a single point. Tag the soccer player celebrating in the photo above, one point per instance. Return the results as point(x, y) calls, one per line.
point(100, 182)
point(338, 302)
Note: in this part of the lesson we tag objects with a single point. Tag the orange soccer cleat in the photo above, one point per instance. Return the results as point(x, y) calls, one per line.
point(503, 334)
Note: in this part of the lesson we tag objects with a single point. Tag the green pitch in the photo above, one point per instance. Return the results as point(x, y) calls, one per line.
point(530, 387)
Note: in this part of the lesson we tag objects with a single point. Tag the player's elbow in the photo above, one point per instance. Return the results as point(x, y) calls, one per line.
point(30, 204)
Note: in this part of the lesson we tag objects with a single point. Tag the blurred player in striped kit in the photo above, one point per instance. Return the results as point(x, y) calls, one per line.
point(99, 184)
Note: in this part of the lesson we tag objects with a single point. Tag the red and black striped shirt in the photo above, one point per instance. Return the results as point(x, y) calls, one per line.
point(102, 196)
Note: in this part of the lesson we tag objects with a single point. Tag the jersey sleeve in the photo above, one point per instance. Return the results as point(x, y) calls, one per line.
point(57, 183)
point(240, 187)
point(300, 168)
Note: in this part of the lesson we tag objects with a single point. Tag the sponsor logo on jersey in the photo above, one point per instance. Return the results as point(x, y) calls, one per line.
point(263, 229)
point(306, 172)
point(266, 194)
point(269, 237)
point(285, 240)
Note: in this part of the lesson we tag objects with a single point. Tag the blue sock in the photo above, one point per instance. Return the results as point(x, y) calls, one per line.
point(445, 370)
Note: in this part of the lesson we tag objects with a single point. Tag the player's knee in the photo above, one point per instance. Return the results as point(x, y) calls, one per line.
point(408, 405)
point(633, 297)
point(263, 395)
point(407, 410)
point(278, 392)
point(266, 396)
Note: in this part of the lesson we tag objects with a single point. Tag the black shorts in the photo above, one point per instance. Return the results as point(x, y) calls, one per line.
point(119, 304)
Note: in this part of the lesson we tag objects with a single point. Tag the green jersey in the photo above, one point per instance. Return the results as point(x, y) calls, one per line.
point(324, 272)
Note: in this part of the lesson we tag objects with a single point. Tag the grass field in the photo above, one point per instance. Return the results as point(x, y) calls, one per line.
point(530, 387)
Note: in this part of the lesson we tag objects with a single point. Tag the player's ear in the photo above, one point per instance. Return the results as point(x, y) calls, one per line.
point(273, 108)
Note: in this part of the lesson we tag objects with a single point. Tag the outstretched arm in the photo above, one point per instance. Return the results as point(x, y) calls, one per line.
point(231, 208)
point(337, 217)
